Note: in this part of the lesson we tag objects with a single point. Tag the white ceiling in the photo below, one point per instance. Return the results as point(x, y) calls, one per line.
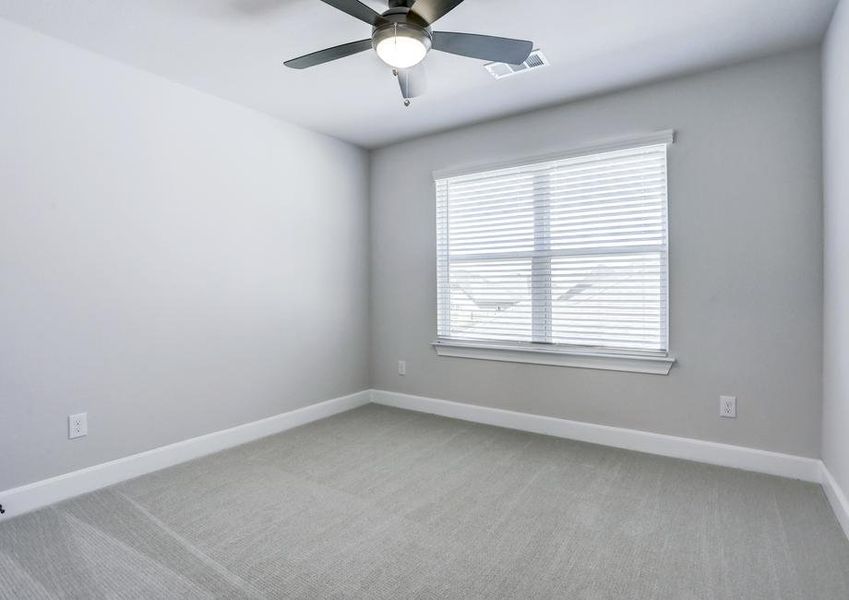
point(235, 49)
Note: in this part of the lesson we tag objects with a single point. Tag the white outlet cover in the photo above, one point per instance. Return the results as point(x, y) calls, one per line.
point(728, 407)
point(77, 425)
point(402, 367)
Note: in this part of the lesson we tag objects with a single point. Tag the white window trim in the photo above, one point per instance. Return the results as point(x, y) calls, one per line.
point(562, 356)
point(648, 363)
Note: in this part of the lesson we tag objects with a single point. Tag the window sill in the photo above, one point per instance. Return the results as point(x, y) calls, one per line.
point(653, 364)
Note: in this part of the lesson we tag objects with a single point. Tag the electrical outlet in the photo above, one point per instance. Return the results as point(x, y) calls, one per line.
point(402, 367)
point(728, 407)
point(77, 425)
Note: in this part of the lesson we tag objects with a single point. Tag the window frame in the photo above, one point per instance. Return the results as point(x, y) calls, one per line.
point(546, 353)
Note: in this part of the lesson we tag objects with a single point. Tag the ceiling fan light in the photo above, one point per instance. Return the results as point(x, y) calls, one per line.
point(401, 47)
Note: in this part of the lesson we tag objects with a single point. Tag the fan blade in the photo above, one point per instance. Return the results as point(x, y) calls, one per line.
point(484, 47)
point(328, 54)
point(356, 9)
point(413, 81)
point(432, 10)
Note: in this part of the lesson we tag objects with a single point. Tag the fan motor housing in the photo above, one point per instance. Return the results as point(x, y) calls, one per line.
point(401, 21)
point(402, 14)
point(412, 30)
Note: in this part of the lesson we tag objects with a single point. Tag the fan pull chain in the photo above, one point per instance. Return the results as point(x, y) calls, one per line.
point(406, 100)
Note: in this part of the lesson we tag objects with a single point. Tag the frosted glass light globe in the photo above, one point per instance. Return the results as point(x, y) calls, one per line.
point(401, 47)
point(401, 52)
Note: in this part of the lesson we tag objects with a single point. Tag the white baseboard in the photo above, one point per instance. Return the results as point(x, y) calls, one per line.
point(29, 497)
point(738, 457)
point(837, 498)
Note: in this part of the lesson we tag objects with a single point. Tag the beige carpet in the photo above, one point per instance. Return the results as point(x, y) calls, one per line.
point(383, 503)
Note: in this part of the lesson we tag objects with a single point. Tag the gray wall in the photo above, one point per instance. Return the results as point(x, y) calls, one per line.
point(174, 264)
point(746, 244)
point(835, 446)
point(169, 262)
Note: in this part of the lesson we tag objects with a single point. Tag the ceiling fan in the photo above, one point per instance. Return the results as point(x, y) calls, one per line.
point(402, 37)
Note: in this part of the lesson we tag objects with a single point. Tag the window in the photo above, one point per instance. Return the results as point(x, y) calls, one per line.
point(564, 255)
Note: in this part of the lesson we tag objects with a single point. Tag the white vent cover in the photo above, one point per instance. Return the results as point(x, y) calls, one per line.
point(501, 70)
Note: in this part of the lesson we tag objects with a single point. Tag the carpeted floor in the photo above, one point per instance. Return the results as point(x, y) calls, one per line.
point(383, 503)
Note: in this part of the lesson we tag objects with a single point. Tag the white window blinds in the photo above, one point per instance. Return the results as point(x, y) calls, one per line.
point(569, 252)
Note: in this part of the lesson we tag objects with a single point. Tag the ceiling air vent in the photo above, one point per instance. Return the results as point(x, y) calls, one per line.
point(501, 70)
